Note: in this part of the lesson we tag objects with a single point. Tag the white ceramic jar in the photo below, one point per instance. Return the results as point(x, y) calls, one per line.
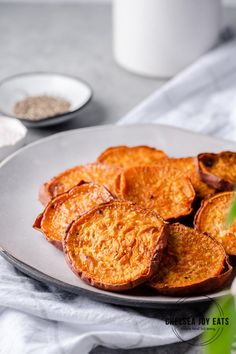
point(161, 37)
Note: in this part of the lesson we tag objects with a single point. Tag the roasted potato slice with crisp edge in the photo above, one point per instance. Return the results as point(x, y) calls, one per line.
point(116, 246)
point(94, 172)
point(161, 188)
point(187, 166)
point(218, 170)
point(63, 209)
point(192, 263)
point(126, 156)
point(211, 218)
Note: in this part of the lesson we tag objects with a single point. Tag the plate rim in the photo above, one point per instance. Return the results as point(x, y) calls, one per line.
point(48, 120)
point(104, 296)
point(104, 126)
point(132, 301)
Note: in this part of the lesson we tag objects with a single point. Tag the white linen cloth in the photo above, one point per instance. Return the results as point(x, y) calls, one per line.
point(201, 99)
point(42, 319)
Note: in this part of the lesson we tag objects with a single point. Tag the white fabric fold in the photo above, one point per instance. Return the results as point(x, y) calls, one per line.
point(201, 99)
point(40, 318)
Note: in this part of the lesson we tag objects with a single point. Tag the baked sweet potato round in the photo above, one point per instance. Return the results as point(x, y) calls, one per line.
point(211, 218)
point(161, 188)
point(218, 170)
point(125, 156)
point(187, 166)
point(94, 172)
point(115, 246)
point(63, 209)
point(192, 263)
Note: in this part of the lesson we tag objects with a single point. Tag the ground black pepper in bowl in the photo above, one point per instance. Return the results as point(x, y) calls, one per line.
point(41, 107)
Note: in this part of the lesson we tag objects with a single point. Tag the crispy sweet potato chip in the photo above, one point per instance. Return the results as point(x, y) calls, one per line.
point(218, 170)
point(125, 156)
point(94, 172)
point(63, 209)
point(211, 218)
point(115, 246)
point(161, 188)
point(192, 263)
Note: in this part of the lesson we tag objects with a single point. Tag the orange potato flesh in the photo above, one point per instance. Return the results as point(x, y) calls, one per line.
point(63, 209)
point(187, 166)
point(97, 173)
point(192, 263)
point(125, 156)
point(160, 188)
point(211, 218)
point(116, 246)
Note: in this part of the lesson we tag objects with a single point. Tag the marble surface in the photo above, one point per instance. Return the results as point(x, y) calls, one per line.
point(77, 40)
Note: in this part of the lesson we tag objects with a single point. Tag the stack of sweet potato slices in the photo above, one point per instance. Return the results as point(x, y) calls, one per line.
point(94, 172)
point(64, 208)
point(116, 220)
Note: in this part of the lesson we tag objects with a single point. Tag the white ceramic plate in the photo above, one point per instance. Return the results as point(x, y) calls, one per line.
point(23, 173)
point(18, 87)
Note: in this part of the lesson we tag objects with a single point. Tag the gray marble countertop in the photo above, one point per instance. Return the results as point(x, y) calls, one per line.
point(77, 40)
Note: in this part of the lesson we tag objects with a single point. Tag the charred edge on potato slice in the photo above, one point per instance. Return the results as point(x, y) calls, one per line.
point(217, 177)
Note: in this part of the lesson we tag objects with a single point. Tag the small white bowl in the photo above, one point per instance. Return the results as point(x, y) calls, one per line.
point(12, 136)
point(18, 87)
